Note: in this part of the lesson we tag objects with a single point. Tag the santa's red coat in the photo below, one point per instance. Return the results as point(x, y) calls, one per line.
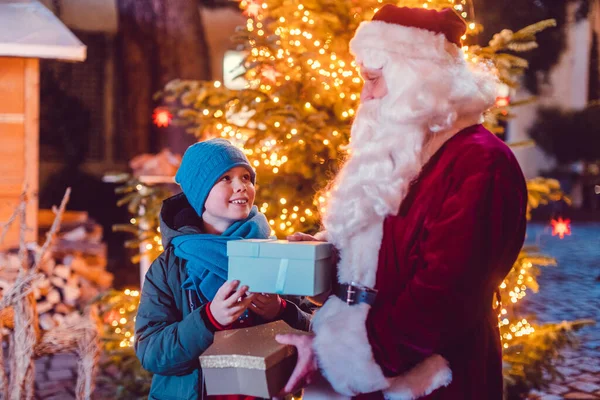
point(457, 235)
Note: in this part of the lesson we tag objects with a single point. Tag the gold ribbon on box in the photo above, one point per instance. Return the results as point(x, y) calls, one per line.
point(240, 361)
point(249, 348)
point(233, 361)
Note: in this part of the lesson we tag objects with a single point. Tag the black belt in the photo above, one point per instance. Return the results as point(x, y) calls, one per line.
point(354, 293)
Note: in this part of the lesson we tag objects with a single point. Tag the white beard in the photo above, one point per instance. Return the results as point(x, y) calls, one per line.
point(385, 156)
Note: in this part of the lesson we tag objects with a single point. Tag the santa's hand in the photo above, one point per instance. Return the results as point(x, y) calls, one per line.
point(306, 366)
point(304, 237)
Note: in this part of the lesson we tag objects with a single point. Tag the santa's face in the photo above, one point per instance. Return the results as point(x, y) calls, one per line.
point(375, 86)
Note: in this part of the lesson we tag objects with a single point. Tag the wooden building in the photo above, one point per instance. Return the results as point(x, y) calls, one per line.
point(28, 32)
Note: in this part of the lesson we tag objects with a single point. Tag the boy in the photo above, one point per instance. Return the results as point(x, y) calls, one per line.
point(185, 297)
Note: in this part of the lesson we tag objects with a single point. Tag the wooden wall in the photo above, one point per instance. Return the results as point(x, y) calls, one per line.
point(19, 148)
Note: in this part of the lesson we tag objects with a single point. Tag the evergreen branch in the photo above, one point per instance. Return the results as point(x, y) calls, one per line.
point(531, 30)
point(521, 144)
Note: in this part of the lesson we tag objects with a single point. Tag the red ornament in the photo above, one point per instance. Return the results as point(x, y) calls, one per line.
point(110, 316)
point(162, 117)
point(561, 227)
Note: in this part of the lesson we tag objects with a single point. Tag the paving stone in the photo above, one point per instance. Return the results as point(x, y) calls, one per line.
point(568, 292)
point(550, 397)
point(52, 385)
point(41, 363)
point(589, 367)
point(579, 396)
point(44, 393)
point(569, 362)
point(591, 344)
point(63, 361)
point(589, 378)
point(40, 376)
point(585, 386)
point(60, 374)
point(568, 371)
point(61, 396)
point(536, 393)
point(554, 388)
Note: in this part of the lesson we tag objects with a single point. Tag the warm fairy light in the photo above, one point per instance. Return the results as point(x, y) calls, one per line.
point(502, 101)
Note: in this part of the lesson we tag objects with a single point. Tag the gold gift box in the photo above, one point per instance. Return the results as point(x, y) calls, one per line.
point(249, 361)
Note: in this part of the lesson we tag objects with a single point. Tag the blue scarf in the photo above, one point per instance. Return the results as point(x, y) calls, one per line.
point(206, 254)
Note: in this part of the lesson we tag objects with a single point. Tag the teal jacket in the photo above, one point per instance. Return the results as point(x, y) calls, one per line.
point(171, 329)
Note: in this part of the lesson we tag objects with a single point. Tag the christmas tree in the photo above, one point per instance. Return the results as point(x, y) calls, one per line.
point(293, 121)
point(303, 88)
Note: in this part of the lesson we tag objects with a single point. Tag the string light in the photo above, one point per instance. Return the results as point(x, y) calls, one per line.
point(299, 55)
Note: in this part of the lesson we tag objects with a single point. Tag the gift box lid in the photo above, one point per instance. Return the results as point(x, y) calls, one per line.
point(270, 248)
point(250, 348)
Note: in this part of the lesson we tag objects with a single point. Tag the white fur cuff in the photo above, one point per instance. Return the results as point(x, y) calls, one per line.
point(346, 358)
point(431, 374)
point(343, 350)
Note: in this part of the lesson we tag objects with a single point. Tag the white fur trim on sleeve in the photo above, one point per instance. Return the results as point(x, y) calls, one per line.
point(429, 375)
point(343, 350)
point(346, 358)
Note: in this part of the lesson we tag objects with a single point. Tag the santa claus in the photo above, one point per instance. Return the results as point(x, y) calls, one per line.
point(428, 215)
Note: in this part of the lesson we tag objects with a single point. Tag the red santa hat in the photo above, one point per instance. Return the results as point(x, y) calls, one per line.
point(410, 32)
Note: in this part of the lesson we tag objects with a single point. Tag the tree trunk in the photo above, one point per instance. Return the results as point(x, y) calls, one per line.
point(594, 84)
point(159, 40)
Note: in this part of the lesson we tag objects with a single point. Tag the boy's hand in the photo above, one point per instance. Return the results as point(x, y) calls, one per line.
point(267, 306)
point(230, 302)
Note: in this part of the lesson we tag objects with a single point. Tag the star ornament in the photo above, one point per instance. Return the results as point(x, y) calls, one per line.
point(162, 117)
point(253, 9)
point(561, 227)
point(270, 74)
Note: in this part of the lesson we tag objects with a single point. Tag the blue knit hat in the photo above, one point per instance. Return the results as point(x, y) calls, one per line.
point(203, 164)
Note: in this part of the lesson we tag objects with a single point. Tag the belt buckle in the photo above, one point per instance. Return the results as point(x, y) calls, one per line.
point(354, 290)
point(351, 294)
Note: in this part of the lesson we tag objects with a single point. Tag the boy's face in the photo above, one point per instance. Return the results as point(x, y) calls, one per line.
point(230, 199)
